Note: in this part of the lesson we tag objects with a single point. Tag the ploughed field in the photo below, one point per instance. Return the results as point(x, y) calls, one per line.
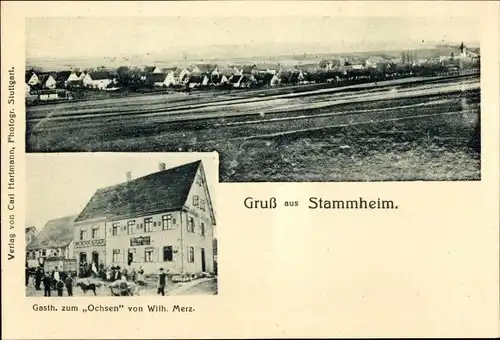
point(423, 129)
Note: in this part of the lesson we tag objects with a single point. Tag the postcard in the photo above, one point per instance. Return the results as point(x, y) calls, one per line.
point(240, 169)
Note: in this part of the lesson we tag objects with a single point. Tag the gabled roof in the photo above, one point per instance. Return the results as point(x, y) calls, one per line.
point(162, 191)
point(205, 68)
point(63, 75)
point(248, 68)
point(235, 79)
point(148, 68)
point(195, 79)
point(28, 76)
point(44, 77)
point(156, 77)
point(99, 75)
point(178, 70)
point(56, 233)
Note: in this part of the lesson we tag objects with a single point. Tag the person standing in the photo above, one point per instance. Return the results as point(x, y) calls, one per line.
point(60, 288)
point(47, 284)
point(27, 275)
point(69, 284)
point(140, 276)
point(162, 282)
point(38, 278)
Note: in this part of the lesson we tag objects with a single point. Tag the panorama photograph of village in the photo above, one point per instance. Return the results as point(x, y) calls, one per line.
point(281, 99)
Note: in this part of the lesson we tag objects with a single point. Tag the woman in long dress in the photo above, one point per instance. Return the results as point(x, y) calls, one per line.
point(140, 276)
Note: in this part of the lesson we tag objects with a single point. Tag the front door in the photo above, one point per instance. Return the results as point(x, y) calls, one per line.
point(203, 263)
point(95, 258)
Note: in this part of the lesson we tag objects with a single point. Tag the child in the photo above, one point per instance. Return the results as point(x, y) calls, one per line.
point(69, 284)
point(60, 287)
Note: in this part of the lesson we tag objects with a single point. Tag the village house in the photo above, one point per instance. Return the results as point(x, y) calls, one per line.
point(152, 69)
point(31, 78)
point(162, 220)
point(98, 80)
point(55, 240)
point(162, 79)
point(64, 78)
point(47, 81)
point(29, 234)
point(181, 76)
point(243, 81)
point(208, 69)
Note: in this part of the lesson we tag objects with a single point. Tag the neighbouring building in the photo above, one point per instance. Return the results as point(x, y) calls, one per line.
point(47, 81)
point(55, 240)
point(64, 78)
point(98, 80)
point(181, 76)
point(30, 233)
point(162, 220)
point(162, 79)
point(31, 78)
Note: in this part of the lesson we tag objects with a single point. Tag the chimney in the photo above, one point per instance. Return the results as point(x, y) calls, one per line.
point(162, 166)
point(129, 176)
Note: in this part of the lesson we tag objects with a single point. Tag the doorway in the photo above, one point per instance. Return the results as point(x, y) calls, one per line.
point(83, 258)
point(95, 257)
point(203, 262)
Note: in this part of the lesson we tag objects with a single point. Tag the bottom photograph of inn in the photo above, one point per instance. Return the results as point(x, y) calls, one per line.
point(148, 235)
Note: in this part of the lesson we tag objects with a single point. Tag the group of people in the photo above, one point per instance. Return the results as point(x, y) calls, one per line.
point(59, 280)
point(55, 280)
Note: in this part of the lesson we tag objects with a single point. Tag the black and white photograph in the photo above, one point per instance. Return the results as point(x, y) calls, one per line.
point(281, 99)
point(121, 224)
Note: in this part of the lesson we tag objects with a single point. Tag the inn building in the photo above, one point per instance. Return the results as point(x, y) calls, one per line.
point(162, 220)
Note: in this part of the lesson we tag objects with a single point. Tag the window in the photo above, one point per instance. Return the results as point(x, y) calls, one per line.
point(202, 229)
point(168, 254)
point(202, 205)
point(44, 253)
point(148, 224)
point(190, 226)
point(196, 200)
point(131, 256)
point(95, 232)
point(83, 234)
point(166, 222)
point(191, 254)
point(148, 255)
point(116, 229)
point(117, 255)
point(131, 227)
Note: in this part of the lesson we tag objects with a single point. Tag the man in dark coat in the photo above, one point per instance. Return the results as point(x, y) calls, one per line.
point(69, 284)
point(47, 284)
point(38, 278)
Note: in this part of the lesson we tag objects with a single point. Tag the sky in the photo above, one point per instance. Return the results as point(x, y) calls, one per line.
point(59, 185)
point(87, 37)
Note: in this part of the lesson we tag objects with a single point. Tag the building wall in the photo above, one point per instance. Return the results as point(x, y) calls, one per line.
point(159, 237)
point(201, 214)
point(90, 243)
